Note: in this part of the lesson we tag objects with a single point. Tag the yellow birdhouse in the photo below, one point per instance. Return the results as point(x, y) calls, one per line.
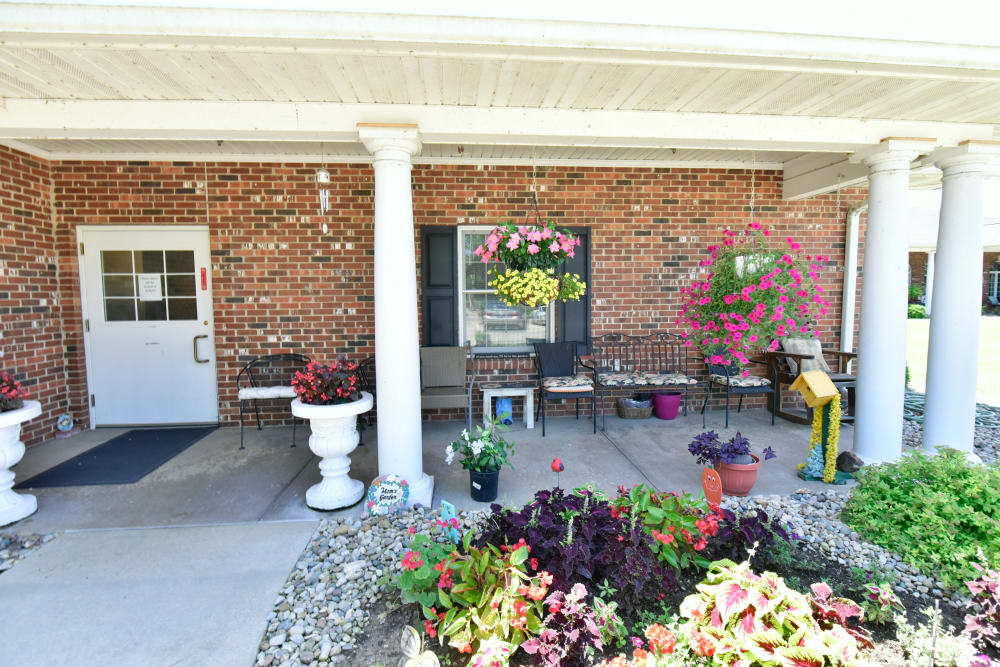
point(815, 387)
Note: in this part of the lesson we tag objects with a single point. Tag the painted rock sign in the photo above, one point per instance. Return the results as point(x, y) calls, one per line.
point(387, 494)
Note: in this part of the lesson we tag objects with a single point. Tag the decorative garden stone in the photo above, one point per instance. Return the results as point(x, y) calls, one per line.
point(334, 437)
point(14, 506)
point(849, 462)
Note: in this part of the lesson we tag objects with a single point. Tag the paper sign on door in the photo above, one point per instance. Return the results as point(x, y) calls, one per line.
point(150, 287)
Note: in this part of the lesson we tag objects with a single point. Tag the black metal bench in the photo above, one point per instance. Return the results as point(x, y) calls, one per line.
point(658, 361)
point(268, 378)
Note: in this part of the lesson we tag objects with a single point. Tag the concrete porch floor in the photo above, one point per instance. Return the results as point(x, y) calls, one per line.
point(213, 482)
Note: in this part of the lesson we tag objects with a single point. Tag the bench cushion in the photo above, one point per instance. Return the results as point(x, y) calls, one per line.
point(252, 393)
point(740, 381)
point(622, 379)
point(664, 379)
point(569, 383)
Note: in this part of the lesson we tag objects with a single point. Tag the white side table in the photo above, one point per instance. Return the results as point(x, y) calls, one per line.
point(491, 391)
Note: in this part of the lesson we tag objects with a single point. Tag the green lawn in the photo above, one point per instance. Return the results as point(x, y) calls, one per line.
point(988, 378)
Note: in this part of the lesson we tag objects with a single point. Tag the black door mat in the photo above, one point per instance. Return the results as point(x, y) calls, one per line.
point(124, 459)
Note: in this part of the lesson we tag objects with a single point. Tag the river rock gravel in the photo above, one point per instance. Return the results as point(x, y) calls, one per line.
point(15, 547)
point(322, 610)
point(815, 517)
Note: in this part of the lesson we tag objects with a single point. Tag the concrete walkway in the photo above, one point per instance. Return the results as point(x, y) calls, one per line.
point(164, 596)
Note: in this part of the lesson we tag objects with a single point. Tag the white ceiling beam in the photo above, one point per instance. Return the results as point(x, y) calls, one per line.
point(255, 26)
point(320, 121)
point(161, 154)
point(816, 174)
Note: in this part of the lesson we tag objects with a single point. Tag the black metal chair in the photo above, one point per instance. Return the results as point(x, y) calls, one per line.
point(268, 377)
point(366, 381)
point(562, 376)
point(731, 377)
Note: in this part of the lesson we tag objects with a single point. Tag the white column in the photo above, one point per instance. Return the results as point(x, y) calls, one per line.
point(397, 349)
point(952, 354)
point(929, 280)
point(878, 431)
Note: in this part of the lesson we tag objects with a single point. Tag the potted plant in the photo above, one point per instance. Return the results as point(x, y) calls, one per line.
point(14, 409)
point(736, 465)
point(328, 397)
point(483, 454)
point(754, 294)
point(531, 253)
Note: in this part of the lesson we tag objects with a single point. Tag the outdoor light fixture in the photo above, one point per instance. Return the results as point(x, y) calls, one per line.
point(323, 183)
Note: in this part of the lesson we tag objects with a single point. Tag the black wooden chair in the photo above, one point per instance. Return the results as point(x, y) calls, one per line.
point(268, 378)
point(561, 376)
point(731, 377)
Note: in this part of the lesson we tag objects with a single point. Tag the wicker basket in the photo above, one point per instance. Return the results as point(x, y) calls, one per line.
point(626, 412)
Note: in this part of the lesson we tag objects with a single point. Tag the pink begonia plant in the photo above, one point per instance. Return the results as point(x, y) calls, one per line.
point(754, 296)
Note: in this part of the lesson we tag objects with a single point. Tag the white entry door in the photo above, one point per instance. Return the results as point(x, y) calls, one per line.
point(147, 305)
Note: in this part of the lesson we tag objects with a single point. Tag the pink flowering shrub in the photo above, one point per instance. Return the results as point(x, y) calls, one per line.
point(755, 294)
point(12, 394)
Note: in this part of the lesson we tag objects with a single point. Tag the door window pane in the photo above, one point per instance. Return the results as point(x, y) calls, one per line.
point(182, 285)
point(183, 309)
point(152, 310)
point(119, 286)
point(116, 261)
point(149, 261)
point(119, 310)
point(180, 261)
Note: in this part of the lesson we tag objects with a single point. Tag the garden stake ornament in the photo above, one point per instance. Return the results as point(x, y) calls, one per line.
point(821, 395)
point(557, 467)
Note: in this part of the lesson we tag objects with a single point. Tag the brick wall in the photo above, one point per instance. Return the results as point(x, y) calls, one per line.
point(282, 284)
point(31, 342)
point(918, 269)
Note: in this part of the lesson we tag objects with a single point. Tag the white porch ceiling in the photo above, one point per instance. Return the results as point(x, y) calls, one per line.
point(271, 80)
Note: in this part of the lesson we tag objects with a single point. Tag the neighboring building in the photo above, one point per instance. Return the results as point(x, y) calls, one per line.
point(923, 236)
point(160, 214)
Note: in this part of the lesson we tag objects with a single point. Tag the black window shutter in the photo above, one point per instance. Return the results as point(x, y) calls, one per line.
point(439, 293)
point(574, 316)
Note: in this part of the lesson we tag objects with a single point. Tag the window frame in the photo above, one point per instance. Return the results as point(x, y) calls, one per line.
point(461, 291)
point(993, 284)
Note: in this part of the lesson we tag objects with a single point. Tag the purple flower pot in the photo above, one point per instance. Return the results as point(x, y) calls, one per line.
point(666, 404)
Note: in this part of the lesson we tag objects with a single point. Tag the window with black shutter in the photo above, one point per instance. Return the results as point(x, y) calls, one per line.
point(459, 306)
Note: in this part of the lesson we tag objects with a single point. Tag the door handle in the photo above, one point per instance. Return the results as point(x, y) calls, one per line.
point(195, 344)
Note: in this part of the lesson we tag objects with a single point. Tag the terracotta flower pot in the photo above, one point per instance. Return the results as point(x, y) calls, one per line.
point(738, 478)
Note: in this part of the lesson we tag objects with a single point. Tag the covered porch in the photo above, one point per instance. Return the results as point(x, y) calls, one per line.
point(213, 482)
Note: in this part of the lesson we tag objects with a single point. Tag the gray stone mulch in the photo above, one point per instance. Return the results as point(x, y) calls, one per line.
point(14, 548)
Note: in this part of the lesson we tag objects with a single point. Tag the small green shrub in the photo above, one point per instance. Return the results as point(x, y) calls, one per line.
point(915, 292)
point(915, 311)
point(933, 510)
point(908, 377)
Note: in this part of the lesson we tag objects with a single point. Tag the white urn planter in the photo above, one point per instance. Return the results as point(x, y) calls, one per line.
point(14, 506)
point(334, 437)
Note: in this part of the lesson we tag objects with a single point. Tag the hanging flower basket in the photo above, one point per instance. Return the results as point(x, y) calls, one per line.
point(531, 254)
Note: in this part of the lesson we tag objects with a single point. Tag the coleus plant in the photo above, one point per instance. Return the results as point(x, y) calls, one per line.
point(581, 538)
point(570, 632)
point(740, 617)
point(485, 594)
point(879, 603)
point(680, 525)
point(983, 624)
